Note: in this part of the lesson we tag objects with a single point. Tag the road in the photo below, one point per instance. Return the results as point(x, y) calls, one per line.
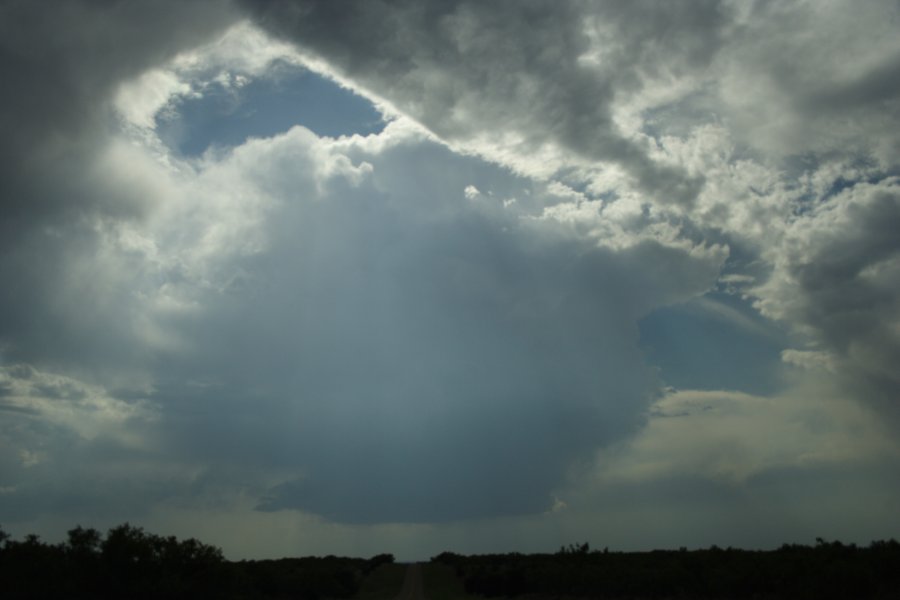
point(412, 584)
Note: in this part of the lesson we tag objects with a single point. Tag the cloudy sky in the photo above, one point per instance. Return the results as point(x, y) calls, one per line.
point(398, 276)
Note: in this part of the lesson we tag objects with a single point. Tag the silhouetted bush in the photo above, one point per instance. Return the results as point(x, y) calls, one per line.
point(131, 563)
point(827, 570)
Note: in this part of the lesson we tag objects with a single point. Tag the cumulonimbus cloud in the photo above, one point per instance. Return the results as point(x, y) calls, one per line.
point(390, 328)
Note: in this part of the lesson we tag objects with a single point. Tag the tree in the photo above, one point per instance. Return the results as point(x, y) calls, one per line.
point(83, 542)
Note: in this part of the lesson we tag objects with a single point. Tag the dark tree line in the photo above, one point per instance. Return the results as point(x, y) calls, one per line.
point(131, 563)
point(826, 570)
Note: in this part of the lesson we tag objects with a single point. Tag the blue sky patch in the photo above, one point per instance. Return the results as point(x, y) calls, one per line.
point(227, 116)
point(713, 343)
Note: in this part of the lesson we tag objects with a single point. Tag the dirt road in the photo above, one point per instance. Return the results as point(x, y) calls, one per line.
point(412, 584)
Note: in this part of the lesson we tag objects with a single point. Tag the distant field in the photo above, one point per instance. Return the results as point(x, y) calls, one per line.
point(383, 583)
point(441, 583)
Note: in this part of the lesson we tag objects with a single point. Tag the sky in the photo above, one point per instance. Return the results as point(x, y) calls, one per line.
point(300, 277)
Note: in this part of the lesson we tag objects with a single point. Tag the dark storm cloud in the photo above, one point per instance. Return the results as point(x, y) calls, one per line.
point(466, 68)
point(838, 282)
point(872, 88)
point(61, 63)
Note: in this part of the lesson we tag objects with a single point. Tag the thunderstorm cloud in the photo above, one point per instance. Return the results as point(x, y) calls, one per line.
point(350, 277)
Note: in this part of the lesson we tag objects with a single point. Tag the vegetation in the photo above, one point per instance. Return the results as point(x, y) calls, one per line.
point(131, 563)
point(826, 570)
